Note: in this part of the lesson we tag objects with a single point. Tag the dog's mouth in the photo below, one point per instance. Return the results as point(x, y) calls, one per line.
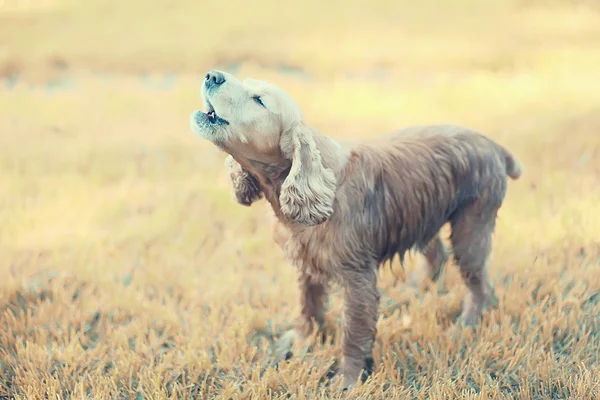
point(213, 117)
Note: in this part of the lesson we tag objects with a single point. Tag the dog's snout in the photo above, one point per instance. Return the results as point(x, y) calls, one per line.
point(214, 78)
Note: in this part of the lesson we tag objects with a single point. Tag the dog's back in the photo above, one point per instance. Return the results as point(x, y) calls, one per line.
point(436, 136)
point(409, 183)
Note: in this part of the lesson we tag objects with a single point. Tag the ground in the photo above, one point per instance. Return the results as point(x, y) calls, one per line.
point(128, 271)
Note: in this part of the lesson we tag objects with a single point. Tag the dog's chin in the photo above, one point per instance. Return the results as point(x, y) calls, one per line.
point(201, 126)
point(208, 119)
point(209, 129)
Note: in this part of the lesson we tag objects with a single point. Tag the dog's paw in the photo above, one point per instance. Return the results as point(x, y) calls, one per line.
point(246, 189)
point(342, 382)
point(346, 379)
point(294, 344)
point(284, 348)
point(337, 381)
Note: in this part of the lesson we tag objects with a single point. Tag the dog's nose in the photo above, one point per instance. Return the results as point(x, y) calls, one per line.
point(213, 78)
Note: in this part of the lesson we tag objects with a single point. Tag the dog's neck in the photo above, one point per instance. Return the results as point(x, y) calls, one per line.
point(333, 154)
point(272, 174)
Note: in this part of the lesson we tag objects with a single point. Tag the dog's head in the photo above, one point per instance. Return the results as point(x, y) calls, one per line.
point(258, 123)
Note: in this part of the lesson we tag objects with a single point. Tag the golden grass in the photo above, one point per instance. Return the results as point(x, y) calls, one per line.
point(128, 271)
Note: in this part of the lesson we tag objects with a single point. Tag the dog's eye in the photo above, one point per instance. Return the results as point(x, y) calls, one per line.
point(258, 100)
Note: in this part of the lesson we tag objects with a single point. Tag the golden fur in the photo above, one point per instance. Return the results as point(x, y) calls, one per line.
point(343, 209)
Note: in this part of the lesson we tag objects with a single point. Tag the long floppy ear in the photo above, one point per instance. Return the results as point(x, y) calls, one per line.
point(308, 192)
point(246, 188)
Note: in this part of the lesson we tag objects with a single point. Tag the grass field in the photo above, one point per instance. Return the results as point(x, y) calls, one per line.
point(128, 272)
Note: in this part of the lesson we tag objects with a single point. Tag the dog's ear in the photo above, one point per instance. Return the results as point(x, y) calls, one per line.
point(246, 188)
point(308, 192)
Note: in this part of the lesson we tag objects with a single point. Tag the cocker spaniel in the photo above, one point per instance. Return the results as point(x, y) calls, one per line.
point(344, 209)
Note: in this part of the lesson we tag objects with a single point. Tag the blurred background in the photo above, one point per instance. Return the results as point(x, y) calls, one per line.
point(127, 270)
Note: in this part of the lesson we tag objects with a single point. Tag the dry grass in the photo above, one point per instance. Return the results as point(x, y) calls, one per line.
point(128, 271)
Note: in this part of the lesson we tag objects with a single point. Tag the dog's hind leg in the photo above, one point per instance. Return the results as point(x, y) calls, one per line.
point(471, 238)
point(432, 266)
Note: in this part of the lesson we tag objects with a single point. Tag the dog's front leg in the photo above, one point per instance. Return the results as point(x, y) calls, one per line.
point(246, 188)
point(313, 297)
point(361, 310)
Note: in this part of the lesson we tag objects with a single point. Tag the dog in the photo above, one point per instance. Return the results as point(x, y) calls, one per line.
point(343, 209)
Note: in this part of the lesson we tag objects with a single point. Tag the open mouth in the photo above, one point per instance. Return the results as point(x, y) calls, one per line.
point(212, 116)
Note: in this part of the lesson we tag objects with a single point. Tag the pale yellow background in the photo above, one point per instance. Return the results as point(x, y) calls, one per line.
point(127, 270)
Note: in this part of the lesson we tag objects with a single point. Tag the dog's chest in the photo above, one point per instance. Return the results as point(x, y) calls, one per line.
point(312, 254)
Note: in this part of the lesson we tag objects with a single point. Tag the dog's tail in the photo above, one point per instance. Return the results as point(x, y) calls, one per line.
point(513, 166)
